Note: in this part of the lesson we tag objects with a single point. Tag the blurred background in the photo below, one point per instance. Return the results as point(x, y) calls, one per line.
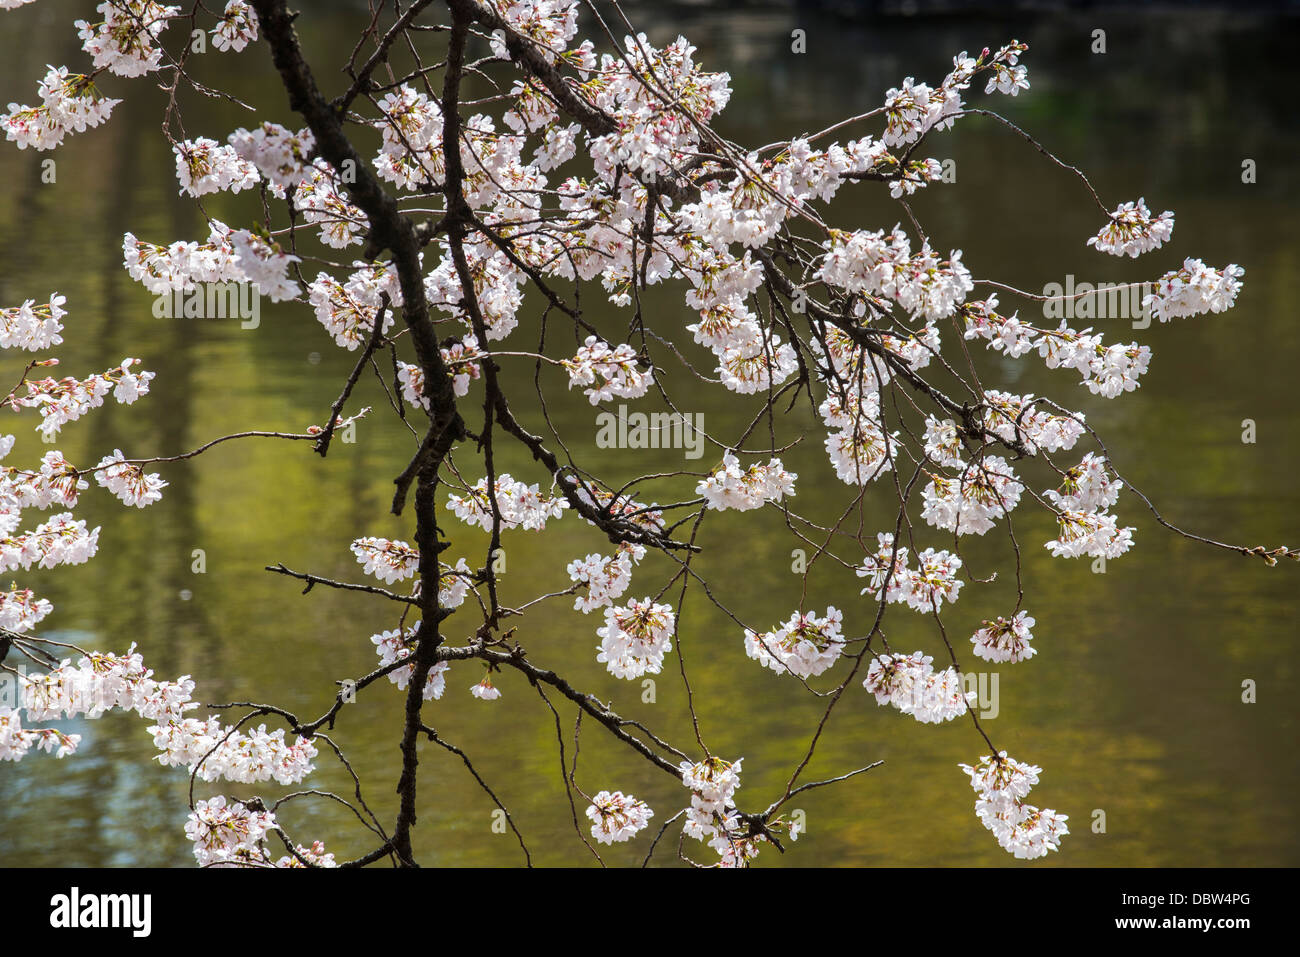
point(1133, 704)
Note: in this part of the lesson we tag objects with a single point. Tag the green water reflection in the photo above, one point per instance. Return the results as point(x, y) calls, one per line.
point(1132, 705)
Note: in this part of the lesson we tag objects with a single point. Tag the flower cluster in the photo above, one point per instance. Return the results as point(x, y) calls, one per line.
point(606, 577)
point(607, 372)
point(321, 201)
point(635, 638)
point(236, 29)
point(204, 166)
point(910, 684)
point(99, 682)
point(974, 501)
point(265, 264)
point(804, 646)
point(348, 310)
point(730, 486)
point(1193, 290)
point(60, 401)
point(228, 835)
point(1091, 533)
point(278, 153)
point(398, 645)
point(1108, 370)
point(214, 752)
point(617, 817)
point(1015, 419)
point(129, 482)
point(315, 856)
point(519, 505)
point(1087, 486)
point(1001, 784)
point(16, 741)
point(389, 561)
point(1005, 639)
point(125, 42)
point(1132, 230)
point(21, 610)
point(923, 588)
point(459, 359)
point(182, 265)
point(712, 815)
point(882, 264)
point(33, 327)
point(70, 102)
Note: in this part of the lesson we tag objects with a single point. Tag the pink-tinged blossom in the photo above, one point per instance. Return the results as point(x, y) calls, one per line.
point(1091, 533)
point(910, 684)
point(519, 505)
point(635, 638)
point(1005, 639)
point(236, 29)
point(1193, 290)
point(389, 561)
point(70, 103)
point(279, 154)
point(1132, 230)
point(1001, 783)
point(204, 166)
point(229, 835)
point(264, 264)
point(617, 817)
point(315, 856)
point(125, 42)
point(804, 646)
point(31, 326)
point(398, 645)
point(607, 372)
point(731, 487)
point(130, 483)
point(974, 501)
point(606, 577)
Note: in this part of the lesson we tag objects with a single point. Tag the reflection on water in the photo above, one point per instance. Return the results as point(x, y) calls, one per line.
point(1132, 705)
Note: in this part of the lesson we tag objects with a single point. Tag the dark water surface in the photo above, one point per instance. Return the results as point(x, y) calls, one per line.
point(1132, 705)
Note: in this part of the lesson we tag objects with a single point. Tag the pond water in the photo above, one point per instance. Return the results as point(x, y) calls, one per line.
point(1133, 704)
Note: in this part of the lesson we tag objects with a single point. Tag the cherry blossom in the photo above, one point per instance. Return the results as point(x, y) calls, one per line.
point(607, 372)
point(519, 505)
point(606, 577)
point(236, 29)
point(617, 817)
point(388, 561)
point(584, 167)
point(1132, 230)
point(33, 327)
point(264, 263)
point(910, 684)
point(228, 835)
point(1005, 639)
point(1193, 290)
point(70, 102)
point(125, 41)
point(484, 690)
point(804, 645)
point(129, 482)
point(397, 645)
point(635, 638)
point(730, 486)
point(1001, 783)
